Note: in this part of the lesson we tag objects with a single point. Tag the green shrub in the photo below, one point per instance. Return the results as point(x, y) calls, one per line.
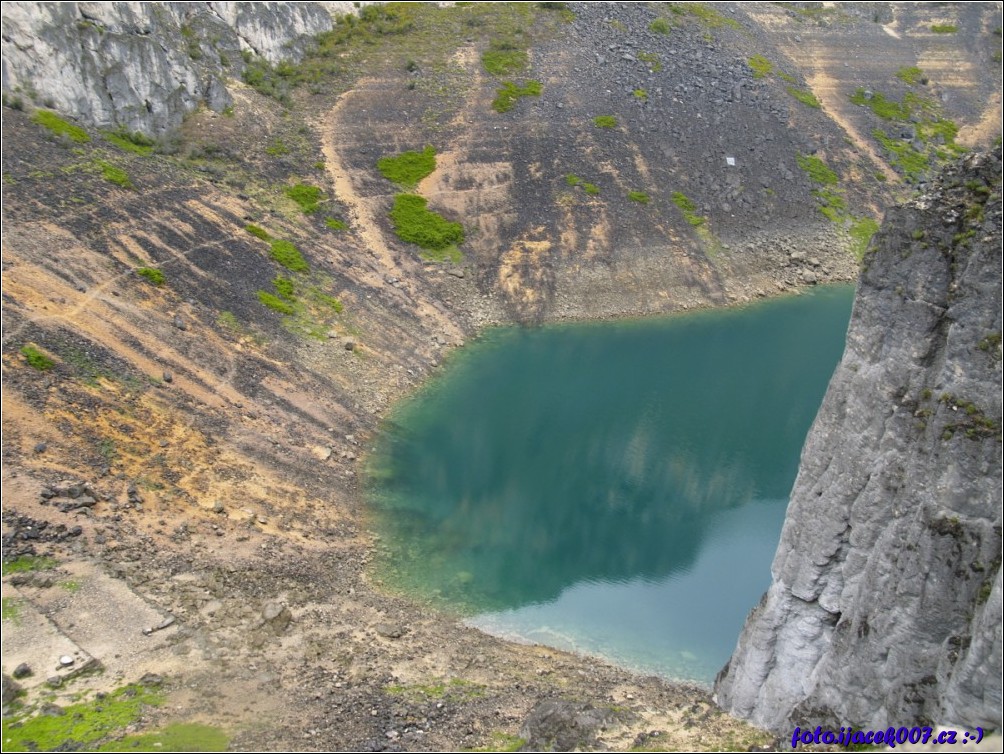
point(659, 26)
point(506, 97)
point(408, 168)
point(944, 28)
point(817, 170)
point(761, 66)
point(638, 196)
point(503, 57)
point(308, 197)
point(590, 188)
point(286, 254)
point(705, 14)
point(151, 274)
point(61, 127)
point(135, 142)
point(257, 232)
point(277, 148)
point(285, 288)
point(416, 224)
point(605, 121)
point(912, 163)
point(36, 358)
point(910, 75)
point(806, 98)
point(688, 208)
point(641, 94)
point(275, 303)
point(335, 224)
point(886, 109)
point(113, 174)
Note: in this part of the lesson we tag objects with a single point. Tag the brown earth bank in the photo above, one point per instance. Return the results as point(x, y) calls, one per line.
point(189, 452)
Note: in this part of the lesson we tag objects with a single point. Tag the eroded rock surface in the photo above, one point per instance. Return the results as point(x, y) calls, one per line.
point(885, 606)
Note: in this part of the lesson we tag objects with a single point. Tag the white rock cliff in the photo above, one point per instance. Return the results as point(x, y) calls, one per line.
point(144, 66)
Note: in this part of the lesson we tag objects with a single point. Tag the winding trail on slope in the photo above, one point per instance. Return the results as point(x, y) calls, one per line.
point(364, 221)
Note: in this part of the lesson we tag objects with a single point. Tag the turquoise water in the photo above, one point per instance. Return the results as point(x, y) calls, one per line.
point(614, 488)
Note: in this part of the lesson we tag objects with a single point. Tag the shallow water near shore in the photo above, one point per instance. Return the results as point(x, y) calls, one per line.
point(614, 488)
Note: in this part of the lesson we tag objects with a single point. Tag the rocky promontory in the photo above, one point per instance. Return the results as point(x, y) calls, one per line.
point(885, 606)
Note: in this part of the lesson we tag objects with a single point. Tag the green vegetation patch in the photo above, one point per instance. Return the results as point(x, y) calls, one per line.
point(912, 163)
point(590, 188)
point(688, 208)
point(659, 26)
point(10, 609)
point(277, 148)
point(806, 98)
point(26, 563)
point(175, 737)
point(911, 75)
point(308, 197)
point(286, 254)
point(638, 196)
point(887, 109)
point(134, 141)
point(257, 232)
point(504, 57)
point(605, 121)
point(415, 223)
point(705, 14)
point(817, 170)
point(61, 127)
point(151, 275)
point(641, 94)
point(499, 741)
point(79, 726)
point(285, 288)
point(506, 97)
point(944, 28)
point(408, 168)
point(42, 363)
point(335, 224)
point(113, 174)
point(275, 303)
point(832, 204)
point(861, 231)
point(761, 66)
point(455, 690)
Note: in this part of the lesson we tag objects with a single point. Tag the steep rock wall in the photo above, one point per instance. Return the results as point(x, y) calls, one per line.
point(885, 605)
point(144, 66)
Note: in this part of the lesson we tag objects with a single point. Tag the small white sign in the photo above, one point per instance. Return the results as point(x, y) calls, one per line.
point(730, 161)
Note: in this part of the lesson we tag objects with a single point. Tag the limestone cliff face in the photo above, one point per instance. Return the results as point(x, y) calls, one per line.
point(144, 66)
point(885, 605)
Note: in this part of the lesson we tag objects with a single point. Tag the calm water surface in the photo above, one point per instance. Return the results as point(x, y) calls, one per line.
point(613, 488)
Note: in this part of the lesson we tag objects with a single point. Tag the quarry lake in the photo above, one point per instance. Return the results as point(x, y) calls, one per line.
point(612, 488)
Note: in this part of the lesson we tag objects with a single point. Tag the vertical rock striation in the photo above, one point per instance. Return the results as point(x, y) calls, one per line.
point(145, 65)
point(885, 604)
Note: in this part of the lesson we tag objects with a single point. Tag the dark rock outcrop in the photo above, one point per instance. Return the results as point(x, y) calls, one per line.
point(145, 66)
point(885, 605)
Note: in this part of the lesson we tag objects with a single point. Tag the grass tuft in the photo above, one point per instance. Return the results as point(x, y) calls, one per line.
point(911, 75)
point(638, 196)
point(506, 97)
point(135, 141)
point(659, 26)
point(806, 98)
point(605, 121)
point(415, 223)
point(817, 170)
point(39, 361)
point(61, 127)
point(688, 208)
point(408, 168)
point(151, 275)
point(275, 303)
point(286, 254)
point(113, 174)
point(505, 56)
point(944, 28)
point(257, 232)
point(761, 66)
point(308, 197)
